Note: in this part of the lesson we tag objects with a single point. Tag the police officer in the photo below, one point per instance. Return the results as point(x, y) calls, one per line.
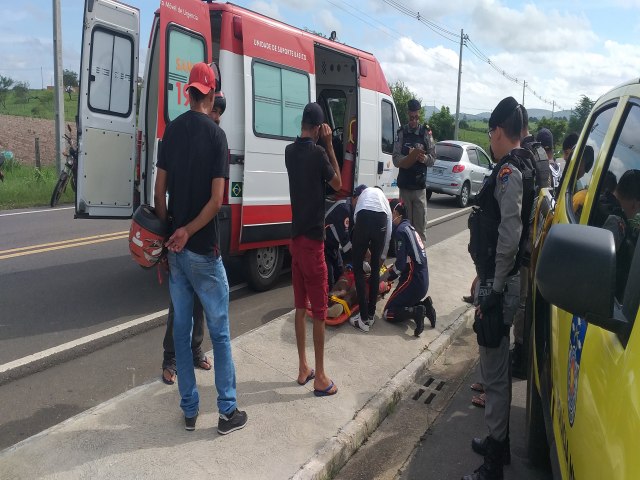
point(337, 243)
point(497, 241)
point(413, 152)
point(406, 301)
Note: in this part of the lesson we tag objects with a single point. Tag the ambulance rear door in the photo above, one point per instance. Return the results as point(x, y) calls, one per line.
point(107, 110)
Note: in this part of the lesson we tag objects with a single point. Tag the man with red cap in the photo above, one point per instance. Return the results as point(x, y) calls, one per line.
point(192, 168)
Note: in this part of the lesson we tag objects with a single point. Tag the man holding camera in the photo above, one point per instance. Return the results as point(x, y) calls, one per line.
point(413, 152)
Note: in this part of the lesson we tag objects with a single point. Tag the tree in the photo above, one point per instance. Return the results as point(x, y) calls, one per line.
point(5, 85)
point(558, 127)
point(442, 124)
point(401, 95)
point(69, 78)
point(21, 90)
point(580, 113)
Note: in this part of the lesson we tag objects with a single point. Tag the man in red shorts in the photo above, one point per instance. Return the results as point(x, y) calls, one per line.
point(309, 166)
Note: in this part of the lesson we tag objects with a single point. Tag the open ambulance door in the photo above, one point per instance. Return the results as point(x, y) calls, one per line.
point(107, 110)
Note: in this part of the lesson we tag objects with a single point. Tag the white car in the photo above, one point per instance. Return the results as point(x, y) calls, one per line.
point(460, 170)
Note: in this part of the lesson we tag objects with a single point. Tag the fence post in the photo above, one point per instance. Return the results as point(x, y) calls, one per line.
point(37, 152)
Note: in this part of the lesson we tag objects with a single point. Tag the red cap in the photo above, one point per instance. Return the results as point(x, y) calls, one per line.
point(202, 78)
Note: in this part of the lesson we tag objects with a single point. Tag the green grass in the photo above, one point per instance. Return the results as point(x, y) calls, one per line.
point(29, 187)
point(479, 138)
point(39, 104)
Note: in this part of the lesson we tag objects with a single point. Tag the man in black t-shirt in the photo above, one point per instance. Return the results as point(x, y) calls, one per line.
point(309, 166)
point(192, 168)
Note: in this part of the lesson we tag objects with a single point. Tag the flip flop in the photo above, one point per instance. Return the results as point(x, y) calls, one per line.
point(311, 376)
point(174, 374)
point(478, 400)
point(326, 392)
point(477, 387)
point(203, 363)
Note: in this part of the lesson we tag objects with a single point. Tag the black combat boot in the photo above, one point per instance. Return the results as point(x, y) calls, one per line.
point(491, 469)
point(430, 311)
point(518, 362)
point(479, 445)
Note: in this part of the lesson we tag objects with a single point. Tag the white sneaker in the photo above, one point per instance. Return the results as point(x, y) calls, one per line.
point(357, 322)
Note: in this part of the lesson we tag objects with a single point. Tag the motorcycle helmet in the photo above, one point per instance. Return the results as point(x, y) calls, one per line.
point(147, 236)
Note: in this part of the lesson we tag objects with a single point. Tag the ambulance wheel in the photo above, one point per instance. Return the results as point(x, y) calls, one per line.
point(535, 436)
point(263, 267)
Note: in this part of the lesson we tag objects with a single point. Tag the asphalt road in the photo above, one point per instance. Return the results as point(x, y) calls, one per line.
point(58, 292)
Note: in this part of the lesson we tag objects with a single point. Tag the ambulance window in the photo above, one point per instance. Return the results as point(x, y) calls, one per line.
point(338, 108)
point(111, 80)
point(388, 126)
point(185, 50)
point(588, 154)
point(216, 28)
point(279, 96)
point(617, 204)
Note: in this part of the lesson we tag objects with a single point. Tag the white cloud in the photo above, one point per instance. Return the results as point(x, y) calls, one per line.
point(270, 9)
point(327, 22)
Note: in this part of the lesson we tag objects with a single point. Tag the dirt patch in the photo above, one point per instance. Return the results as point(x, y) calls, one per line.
point(19, 134)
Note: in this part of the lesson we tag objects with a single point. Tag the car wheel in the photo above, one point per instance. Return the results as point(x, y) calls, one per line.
point(429, 192)
point(463, 198)
point(263, 267)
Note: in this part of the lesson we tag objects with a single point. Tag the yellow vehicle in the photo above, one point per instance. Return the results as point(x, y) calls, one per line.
point(583, 398)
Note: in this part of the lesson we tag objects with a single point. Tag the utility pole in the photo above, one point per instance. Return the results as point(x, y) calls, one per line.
point(58, 94)
point(553, 108)
point(462, 39)
point(524, 85)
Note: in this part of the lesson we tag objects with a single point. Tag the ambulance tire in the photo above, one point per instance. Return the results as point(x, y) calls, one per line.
point(535, 434)
point(262, 267)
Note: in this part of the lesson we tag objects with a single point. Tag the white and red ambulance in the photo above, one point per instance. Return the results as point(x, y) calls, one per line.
point(268, 71)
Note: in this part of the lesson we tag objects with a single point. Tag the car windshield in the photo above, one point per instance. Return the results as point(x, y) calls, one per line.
point(448, 152)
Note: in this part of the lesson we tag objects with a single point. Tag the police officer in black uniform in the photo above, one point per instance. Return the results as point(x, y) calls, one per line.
point(337, 243)
point(496, 246)
point(413, 152)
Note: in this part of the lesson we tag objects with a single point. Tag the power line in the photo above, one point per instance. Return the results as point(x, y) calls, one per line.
point(455, 38)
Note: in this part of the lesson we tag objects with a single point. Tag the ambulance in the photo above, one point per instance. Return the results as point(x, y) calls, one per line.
point(583, 398)
point(268, 71)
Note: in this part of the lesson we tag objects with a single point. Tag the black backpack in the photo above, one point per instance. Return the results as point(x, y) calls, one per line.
point(540, 163)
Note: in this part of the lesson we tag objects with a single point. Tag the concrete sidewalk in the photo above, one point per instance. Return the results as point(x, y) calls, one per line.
point(290, 433)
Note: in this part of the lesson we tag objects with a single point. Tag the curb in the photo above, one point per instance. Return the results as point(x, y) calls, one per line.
point(328, 461)
point(54, 356)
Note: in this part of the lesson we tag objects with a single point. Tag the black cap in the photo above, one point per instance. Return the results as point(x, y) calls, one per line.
point(545, 137)
point(312, 114)
point(413, 105)
point(502, 111)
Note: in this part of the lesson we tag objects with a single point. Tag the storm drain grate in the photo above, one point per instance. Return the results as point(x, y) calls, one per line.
point(430, 384)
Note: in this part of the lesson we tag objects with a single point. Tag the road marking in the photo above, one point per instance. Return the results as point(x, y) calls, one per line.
point(49, 247)
point(61, 242)
point(35, 211)
point(24, 361)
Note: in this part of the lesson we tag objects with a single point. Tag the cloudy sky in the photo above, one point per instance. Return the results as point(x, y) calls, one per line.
point(562, 49)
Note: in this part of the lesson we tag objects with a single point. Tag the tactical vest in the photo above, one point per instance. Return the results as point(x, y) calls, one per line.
point(414, 177)
point(543, 177)
point(485, 217)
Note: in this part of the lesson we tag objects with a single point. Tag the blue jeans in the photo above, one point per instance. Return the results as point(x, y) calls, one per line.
point(205, 276)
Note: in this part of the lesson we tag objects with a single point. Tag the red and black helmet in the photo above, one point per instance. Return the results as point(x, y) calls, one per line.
point(147, 236)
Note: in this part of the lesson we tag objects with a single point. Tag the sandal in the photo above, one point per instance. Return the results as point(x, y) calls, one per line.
point(477, 387)
point(173, 374)
point(479, 400)
point(203, 363)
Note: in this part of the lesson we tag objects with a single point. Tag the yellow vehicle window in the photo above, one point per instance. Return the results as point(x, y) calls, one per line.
point(586, 158)
point(617, 205)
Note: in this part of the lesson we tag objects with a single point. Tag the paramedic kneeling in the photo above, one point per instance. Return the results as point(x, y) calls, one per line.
point(406, 301)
